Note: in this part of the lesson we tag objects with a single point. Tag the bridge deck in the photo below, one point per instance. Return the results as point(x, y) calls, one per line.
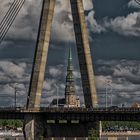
point(81, 114)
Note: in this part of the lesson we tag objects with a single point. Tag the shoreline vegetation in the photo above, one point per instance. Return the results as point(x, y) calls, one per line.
point(11, 124)
point(121, 126)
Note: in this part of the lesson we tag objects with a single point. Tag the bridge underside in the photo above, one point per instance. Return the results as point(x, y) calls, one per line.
point(68, 130)
point(37, 127)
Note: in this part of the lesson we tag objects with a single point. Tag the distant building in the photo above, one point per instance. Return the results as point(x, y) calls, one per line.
point(58, 102)
point(70, 100)
point(135, 105)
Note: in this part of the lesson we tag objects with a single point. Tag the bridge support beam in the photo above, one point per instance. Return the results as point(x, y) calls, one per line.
point(34, 128)
point(41, 53)
point(84, 55)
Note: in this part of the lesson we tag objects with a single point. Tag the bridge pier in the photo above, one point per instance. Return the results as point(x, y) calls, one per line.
point(72, 131)
point(34, 127)
point(68, 131)
point(37, 128)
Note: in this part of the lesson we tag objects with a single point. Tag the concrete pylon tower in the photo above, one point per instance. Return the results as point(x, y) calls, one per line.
point(41, 53)
point(83, 50)
point(84, 55)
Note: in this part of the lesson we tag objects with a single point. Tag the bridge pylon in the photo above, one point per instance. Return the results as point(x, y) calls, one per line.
point(41, 53)
point(83, 50)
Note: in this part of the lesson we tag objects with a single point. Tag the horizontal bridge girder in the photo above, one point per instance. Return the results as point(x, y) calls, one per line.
point(81, 115)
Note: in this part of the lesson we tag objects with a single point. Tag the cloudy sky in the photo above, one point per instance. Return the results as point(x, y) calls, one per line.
point(114, 34)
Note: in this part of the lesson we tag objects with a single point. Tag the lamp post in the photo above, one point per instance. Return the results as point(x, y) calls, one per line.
point(110, 94)
point(106, 96)
point(57, 90)
point(111, 97)
point(15, 97)
point(107, 83)
point(26, 90)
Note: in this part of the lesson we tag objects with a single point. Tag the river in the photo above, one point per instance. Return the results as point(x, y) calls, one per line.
point(122, 138)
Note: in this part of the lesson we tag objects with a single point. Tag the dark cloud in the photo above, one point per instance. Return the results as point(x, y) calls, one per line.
point(119, 77)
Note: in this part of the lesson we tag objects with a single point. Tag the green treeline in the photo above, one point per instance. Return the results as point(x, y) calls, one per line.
point(11, 123)
point(114, 126)
point(123, 125)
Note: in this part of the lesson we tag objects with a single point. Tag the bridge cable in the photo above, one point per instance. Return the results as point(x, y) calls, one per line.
point(9, 18)
point(7, 14)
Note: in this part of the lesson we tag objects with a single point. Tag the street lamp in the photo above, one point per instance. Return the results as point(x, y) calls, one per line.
point(106, 96)
point(26, 90)
point(57, 91)
point(15, 97)
point(111, 97)
point(107, 83)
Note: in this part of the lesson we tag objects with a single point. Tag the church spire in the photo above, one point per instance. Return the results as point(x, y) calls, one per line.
point(70, 96)
point(70, 65)
point(69, 77)
point(70, 89)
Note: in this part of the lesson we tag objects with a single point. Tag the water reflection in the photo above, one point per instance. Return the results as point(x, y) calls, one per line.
point(134, 138)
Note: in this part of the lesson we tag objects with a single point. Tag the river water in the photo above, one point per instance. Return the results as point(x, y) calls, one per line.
point(122, 138)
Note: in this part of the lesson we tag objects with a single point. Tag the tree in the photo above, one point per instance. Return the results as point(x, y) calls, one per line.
point(93, 134)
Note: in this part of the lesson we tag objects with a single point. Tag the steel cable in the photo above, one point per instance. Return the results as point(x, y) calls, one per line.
point(138, 1)
point(9, 18)
point(7, 15)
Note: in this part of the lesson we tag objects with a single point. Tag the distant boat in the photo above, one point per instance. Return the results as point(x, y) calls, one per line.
point(1, 133)
point(17, 134)
point(13, 134)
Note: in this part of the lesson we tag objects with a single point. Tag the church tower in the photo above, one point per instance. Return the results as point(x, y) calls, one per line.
point(71, 100)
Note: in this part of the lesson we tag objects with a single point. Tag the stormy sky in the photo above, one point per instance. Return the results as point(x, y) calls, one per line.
point(114, 34)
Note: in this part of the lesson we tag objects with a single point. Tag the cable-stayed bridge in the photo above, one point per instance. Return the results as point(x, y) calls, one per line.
point(60, 122)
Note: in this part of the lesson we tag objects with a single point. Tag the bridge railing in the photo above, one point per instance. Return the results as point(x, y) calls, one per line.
point(76, 110)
